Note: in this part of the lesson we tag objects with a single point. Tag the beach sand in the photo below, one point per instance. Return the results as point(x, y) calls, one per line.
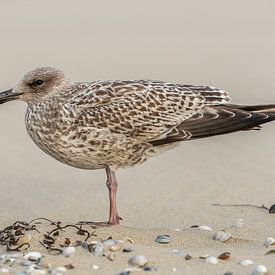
point(200, 43)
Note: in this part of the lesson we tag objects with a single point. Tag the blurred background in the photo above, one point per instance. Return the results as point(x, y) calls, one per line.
point(228, 44)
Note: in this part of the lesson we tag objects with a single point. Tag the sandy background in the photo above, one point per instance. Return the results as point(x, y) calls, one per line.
point(228, 44)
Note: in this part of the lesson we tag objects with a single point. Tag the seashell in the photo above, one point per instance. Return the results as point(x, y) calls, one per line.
point(224, 256)
point(222, 236)
point(211, 260)
point(269, 241)
point(205, 227)
point(138, 261)
point(4, 270)
point(96, 248)
point(59, 270)
point(33, 256)
point(246, 262)
point(177, 229)
point(44, 264)
point(150, 268)
point(95, 267)
point(163, 239)
point(259, 270)
point(116, 247)
point(109, 242)
point(69, 251)
point(24, 239)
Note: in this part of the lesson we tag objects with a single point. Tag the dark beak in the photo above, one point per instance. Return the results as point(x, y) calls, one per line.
point(8, 96)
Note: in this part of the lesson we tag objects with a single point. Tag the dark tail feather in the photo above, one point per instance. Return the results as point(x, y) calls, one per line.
point(219, 120)
point(223, 119)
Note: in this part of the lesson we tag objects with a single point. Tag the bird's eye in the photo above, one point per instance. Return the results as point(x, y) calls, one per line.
point(38, 82)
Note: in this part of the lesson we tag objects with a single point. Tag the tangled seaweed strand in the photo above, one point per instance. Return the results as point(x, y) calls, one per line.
point(10, 235)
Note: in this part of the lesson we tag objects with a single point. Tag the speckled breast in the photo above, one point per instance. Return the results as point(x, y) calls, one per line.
point(85, 147)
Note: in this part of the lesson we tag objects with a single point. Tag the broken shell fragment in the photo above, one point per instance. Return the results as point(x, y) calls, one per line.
point(138, 261)
point(224, 256)
point(163, 239)
point(222, 236)
point(246, 262)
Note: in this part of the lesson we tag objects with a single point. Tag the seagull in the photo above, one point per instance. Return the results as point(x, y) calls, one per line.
point(112, 124)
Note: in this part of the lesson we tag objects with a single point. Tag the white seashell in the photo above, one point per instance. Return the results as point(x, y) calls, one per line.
point(69, 251)
point(259, 270)
point(59, 270)
point(95, 267)
point(222, 236)
point(205, 227)
point(211, 260)
point(113, 245)
point(33, 256)
point(269, 241)
point(4, 270)
point(177, 229)
point(246, 262)
point(138, 261)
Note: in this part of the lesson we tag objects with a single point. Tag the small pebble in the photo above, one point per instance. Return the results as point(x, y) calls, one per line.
point(33, 256)
point(228, 273)
point(272, 209)
point(163, 239)
point(150, 268)
point(188, 257)
point(69, 251)
point(138, 261)
point(259, 270)
point(269, 241)
point(212, 260)
point(84, 245)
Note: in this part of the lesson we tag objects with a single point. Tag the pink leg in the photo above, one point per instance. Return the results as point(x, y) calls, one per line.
point(111, 183)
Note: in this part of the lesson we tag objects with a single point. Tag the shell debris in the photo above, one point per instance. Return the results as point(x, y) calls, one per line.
point(138, 261)
point(246, 262)
point(222, 236)
point(163, 239)
point(259, 270)
point(212, 260)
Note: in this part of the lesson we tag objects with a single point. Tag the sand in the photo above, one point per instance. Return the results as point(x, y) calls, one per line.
point(215, 43)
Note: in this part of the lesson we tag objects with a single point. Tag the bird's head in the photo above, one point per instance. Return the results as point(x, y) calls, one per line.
point(35, 85)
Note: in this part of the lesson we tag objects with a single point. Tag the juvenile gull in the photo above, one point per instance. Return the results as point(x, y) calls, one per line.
point(113, 124)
